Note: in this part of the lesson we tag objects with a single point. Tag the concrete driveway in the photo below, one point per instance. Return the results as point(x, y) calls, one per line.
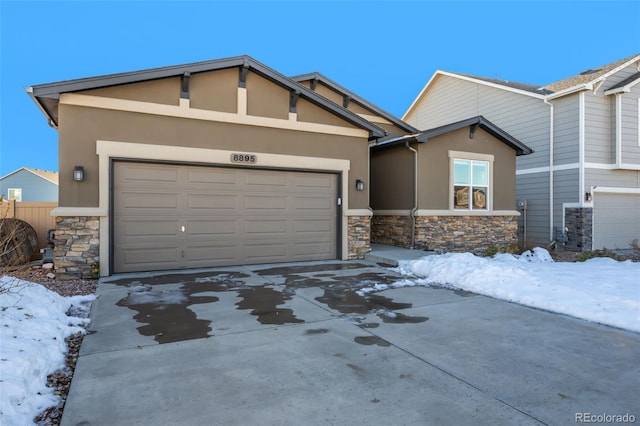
point(295, 344)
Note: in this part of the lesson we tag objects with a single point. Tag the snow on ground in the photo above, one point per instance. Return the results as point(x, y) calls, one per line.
point(35, 322)
point(601, 290)
point(33, 327)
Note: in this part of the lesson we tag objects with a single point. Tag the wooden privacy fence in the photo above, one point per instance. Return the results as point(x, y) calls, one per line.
point(36, 214)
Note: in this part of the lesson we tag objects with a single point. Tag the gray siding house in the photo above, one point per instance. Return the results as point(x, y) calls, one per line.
point(581, 186)
point(27, 184)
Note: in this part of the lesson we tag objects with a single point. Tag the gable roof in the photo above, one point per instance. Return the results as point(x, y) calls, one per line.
point(44, 174)
point(552, 90)
point(591, 76)
point(521, 88)
point(625, 85)
point(318, 77)
point(473, 123)
point(47, 96)
point(533, 88)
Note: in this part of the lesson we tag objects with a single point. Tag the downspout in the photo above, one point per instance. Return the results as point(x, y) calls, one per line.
point(552, 237)
point(415, 194)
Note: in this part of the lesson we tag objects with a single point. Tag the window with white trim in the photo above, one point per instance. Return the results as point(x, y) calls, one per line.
point(471, 181)
point(15, 194)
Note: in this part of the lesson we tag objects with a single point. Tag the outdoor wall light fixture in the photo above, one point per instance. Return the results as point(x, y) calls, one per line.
point(359, 185)
point(78, 173)
point(588, 197)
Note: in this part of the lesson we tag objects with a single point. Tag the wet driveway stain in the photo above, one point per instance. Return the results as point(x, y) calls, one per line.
point(166, 313)
point(316, 331)
point(304, 269)
point(464, 293)
point(398, 318)
point(371, 340)
point(232, 278)
point(263, 302)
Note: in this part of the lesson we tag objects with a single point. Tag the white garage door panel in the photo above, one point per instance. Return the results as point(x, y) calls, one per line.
point(616, 220)
point(230, 216)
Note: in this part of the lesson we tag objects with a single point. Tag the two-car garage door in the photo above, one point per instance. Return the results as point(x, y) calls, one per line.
point(170, 216)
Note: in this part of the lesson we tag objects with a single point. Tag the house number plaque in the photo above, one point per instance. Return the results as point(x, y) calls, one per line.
point(244, 158)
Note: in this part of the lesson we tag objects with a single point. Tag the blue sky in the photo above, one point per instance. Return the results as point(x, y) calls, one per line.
point(383, 51)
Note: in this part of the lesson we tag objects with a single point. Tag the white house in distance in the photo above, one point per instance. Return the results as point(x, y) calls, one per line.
point(581, 186)
point(28, 184)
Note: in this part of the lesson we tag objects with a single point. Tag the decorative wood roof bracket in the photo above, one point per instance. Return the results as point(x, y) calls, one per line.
point(472, 130)
point(314, 83)
point(242, 80)
point(345, 101)
point(184, 85)
point(598, 85)
point(293, 100)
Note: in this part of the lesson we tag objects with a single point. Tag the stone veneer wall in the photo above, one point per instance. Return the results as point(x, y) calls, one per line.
point(359, 230)
point(77, 246)
point(391, 230)
point(579, 222)
point(474, 234)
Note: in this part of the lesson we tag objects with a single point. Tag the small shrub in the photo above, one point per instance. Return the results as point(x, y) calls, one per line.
point(636, 249)
point(494, 249)
point(581, 257)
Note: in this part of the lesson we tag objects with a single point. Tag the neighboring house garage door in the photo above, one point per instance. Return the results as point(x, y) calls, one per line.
point(616, 220)
point(169, 216)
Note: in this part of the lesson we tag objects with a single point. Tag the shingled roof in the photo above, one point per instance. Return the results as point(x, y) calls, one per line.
point(45, 174)
point(537, 89)
point(589, 75)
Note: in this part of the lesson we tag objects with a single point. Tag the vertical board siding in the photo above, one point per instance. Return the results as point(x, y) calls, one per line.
point(36, 214)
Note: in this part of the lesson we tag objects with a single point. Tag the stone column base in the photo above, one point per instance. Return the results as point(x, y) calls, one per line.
point(77, 247)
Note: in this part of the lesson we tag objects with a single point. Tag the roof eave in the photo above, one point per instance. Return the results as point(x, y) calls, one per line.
point(467, 78)
point(339, 88)
point(53, 90)
point(422, 137)
point(570, 90)
point(50, 120)
point(618, 68)
point(622, 89)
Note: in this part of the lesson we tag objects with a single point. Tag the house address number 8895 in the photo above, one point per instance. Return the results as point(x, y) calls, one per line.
point(243, 158)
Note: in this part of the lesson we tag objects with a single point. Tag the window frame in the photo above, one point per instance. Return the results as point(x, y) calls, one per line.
point(14, 190)
point(471, 157)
